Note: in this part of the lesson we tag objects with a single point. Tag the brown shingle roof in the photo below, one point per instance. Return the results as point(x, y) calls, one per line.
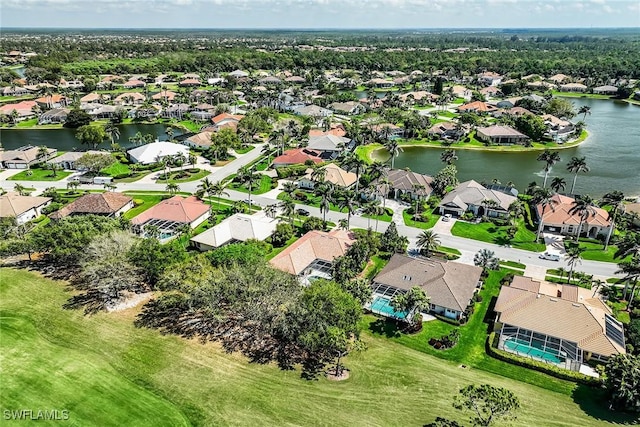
point(313, 245)
point(448, 284)
point(97, 203)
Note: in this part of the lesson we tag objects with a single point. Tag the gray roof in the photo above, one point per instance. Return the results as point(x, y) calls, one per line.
point(447, 284)
point(327, 142)
point(473, 193)
point(400, 179)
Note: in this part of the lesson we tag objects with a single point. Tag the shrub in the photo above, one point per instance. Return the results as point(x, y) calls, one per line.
point(121, 176)
point(300, 195)
point(193, 170)
point(138, 202)
point(47, 210)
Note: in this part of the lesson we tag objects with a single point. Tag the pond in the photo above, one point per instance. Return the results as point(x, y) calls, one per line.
point(64, 139)
point(612, 152)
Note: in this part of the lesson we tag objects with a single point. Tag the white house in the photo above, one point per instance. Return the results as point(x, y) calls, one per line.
point(22, 208)
point(237, 228)
point(151, 153)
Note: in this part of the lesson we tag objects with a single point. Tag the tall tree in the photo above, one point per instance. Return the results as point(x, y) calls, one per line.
point(428, 241)
point(486, 259)
point(325, 191)
point(574, 257)
point(584, 110)
point(550, 158)
point(394, 149)
point(487, 404)
point(631, 270)
point(448, 156)
point(112, 131)
point(172, 188)
point(543, 197)
point(622, 382)
point(575, 166)
point(91, 135)
point(584, 207)
point(412, 303)
point(247, 177)
point(348, 200)
point(614, 199)
point(558, 184)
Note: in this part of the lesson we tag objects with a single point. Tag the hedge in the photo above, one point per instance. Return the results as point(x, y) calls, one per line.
point(288, 171)
point(554, 371)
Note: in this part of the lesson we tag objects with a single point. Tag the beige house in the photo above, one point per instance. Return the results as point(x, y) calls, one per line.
point(403, 182)
point(501, 135)
point(471, 196)
point(199, 140)
point(557, 218)
point(449, 285)
point(24, 157)
point(332, 173)
point(562, 325)
point(22, 208)
point(109, 204)
point(573, 87)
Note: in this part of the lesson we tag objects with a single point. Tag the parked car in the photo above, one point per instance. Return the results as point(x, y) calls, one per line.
point(446, 217)
point(550, 256)
point(302, 212)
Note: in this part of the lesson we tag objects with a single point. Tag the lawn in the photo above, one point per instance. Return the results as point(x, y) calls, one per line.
point(262, 187)
point(409, 222)
point(38, 174)
point(117, 168)
point(490, 233)
point(244, 150)
point(386, 216)
point(513, 264)
point(148, 200)
point(187, 176)
point(104, 370)
point(595, 251)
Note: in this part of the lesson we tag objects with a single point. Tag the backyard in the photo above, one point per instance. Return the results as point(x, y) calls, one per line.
point(123, 375)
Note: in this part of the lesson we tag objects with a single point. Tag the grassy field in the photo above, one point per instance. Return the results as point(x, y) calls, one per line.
point(490, 233)
point(38, 174)
point(190, 176)
point(148, 200)
point(409, 222)
point(596, 252)
point(103, 369)
point(260, 188)
point(117, 168)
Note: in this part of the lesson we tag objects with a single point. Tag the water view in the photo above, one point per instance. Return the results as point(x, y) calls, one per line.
point(612, 151)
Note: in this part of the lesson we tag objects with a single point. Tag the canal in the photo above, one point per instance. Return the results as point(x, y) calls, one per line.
point(612, 152)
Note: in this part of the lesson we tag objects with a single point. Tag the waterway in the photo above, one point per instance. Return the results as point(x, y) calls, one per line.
point(612, 152)
point(64, 139)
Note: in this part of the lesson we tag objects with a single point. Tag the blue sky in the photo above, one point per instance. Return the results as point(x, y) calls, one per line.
point(320, 13)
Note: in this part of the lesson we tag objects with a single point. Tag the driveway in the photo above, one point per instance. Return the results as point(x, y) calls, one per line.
point(555, 243)
point(443, 227)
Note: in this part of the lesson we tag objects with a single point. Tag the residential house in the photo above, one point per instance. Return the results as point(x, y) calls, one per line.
point(237, 228)
point(557, 218)
point(329, 146)
point(67, 161)
point(129, 98)
point(24, 157)
point(540, 86)
point(238, 74)
point(226, 120)
point(559, 78)
point(380, 83)
point(55, 115)
point(461, 92)
point(311, 256)
point(558, 324)
point(489, 78)
point(200, 140)
point(100, 111)
point(312, 111)
point(558, 129)
point(605, 90)
point(573, 87)
point(502, 135)
point(491, 92)
point(337, 129)
point(447, 130)
point(297, 156)
point(15, 91)
point(450, 286)
point(23, 109)
point(478, 107)
point(191, 82)
point(333, 174)
point(169, 215)
point(518, 111)
point(419, 97)
point(270, 80)
point(351, 108)
point(400, 182)
point(52, 101)
point(176, 111)
point(109, 204)
point(633, 209)
point(295, 80)
point(134, 83)
point(471, 196)
point(387, 130)
point(203, 112)
point(22, 208)
point(164, 95)
point(151, 153)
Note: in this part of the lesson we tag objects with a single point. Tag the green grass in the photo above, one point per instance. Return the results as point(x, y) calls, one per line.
point(191, 176)
point(433, 218)
point(148, 199)
point(490, 233)
point(105, 371)
point(513, 264)
point(244, 150)
point(386, 216)
point(38, 174)
point(596, 252)
point(27, 123)
point(262, 187)
point(117, 168)
point(374, 267)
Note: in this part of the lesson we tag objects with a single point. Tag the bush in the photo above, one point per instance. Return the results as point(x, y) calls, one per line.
point(300, 195)
point(138, 202)
point(554, 371)
point(47, 210)
point(122, 176)
point(193, 170)
point(312, 223)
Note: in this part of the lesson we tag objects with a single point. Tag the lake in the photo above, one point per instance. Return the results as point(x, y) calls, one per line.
point(612, 151)
point(64, 139)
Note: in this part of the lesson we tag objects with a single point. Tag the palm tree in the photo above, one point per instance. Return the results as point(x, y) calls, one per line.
point(550, 158)
point(574, 257)
point(289, 187)
point(448, 156)
point(428, 241)
point(325, 191)
point(374, 209)
point(169, 131)
point(356, 164)
point(631, 269)
point(377, 170)
point(347, 200)
point(43, 152)
point(394, 149)
point(613, 199)
point(486, 259)
point(584, 207)
point(411, 302)
point(112, 131)
point(172, 188)
point(489, 204)
point(558, 184)
point(576, 165)
point(318, 175)
point(288, 207)
point(205, 187)
point(20, 189)
point(584, 110)
point(217, 189)
point(271, 210)
point(248, 178)
point(543, 197)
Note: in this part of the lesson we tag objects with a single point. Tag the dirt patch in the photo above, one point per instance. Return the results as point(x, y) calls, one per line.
point(129, 301)
point(343, 375)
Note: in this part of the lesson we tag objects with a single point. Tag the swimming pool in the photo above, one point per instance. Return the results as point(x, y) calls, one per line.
point(383, 306)
point(523, 348)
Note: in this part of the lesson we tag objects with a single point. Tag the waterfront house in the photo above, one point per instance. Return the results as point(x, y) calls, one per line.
point(501, 135)
point(558, 219)
point(471, 196)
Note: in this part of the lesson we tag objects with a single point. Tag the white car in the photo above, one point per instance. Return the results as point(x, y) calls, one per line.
point(446, 217)
point(550, 256)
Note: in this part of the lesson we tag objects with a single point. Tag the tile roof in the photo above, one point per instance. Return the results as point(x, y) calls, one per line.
point(297, 156)
point(313, 245)
point(240, 227)
point(202, 139)
point(477, 106)
point(498, 130)
point(327, 142)
point(176, 209)
point(13, 204)
point(559, 213)
point(568, 315)
point(226, 116)
point(447, 284)
point(96, 203)
point(336, 129)
point(336, 175)
point(400, 179)
point(473, 193)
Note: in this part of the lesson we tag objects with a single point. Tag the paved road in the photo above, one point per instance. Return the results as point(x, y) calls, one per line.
point(467, 247)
